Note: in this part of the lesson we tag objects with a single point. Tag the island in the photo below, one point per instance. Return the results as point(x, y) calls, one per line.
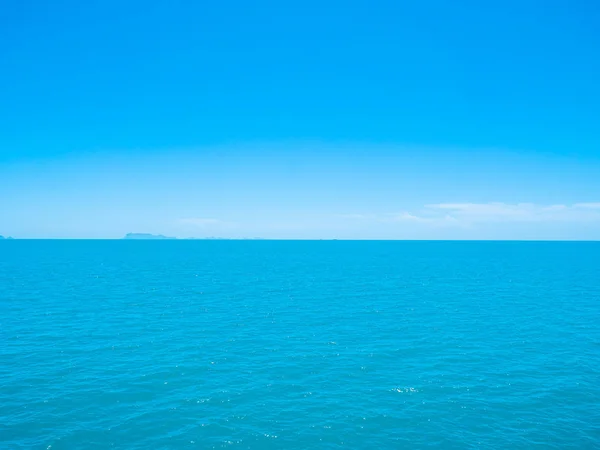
point(147, 236)
point(6, 238)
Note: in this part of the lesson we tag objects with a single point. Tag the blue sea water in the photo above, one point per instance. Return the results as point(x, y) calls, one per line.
point(299, 344)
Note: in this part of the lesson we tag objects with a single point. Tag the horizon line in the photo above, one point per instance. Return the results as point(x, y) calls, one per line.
point(301, 239)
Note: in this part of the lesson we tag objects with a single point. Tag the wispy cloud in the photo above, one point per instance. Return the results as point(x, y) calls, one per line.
point(422, 218)
point(588, 205)
point(517, 212)
point(468, 214)
point(201, 221)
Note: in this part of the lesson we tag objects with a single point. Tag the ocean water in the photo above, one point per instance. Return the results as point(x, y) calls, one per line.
point(296, 345)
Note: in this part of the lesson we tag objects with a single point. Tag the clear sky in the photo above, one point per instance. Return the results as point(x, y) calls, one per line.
point(304, 119)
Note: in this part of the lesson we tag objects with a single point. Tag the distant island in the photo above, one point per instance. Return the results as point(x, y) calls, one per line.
point(6, 238)
point(146, 236)
point(149, 236)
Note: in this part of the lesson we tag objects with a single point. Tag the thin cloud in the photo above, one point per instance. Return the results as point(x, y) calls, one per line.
point(469, 214)
point(516, 212)
point(201, 221)
point(410, 217)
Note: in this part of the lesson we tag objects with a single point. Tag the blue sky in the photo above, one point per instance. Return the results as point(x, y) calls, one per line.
point(354, 119)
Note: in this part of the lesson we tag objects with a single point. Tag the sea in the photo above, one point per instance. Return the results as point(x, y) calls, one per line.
point(299, 344)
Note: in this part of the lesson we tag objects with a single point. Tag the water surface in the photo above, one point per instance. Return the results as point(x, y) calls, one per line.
point(295, 345)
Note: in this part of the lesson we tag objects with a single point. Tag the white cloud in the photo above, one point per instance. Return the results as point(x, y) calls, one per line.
point(408, 217)
point(469, 214)
point(587, 205)
point(516, 212)
point(428, 219)
point(201, 221)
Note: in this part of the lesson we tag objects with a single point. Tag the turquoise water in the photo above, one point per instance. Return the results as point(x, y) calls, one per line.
point(295, 345)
